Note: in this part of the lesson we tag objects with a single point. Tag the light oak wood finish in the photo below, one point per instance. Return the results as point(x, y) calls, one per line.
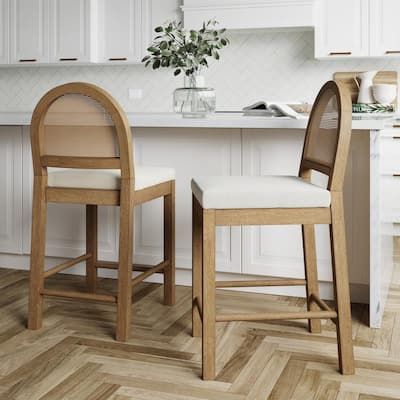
point(73, 356)
point(350, 80)
point(325, 150)
point(91, 246)
point(57, 144)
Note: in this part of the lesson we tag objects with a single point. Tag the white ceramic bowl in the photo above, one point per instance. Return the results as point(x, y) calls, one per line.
point(384, 93)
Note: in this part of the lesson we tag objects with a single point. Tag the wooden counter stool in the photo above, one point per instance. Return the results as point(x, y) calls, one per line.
point(82, 153)
point(281, 200)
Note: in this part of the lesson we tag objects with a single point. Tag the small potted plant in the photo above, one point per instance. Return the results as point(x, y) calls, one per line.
point(187, 53)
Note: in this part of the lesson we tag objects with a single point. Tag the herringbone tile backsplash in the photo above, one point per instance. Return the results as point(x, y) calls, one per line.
point(258, 65)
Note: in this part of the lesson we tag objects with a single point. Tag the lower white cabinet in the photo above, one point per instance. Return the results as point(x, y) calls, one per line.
point(271, 250)
point(192, 152)
point(277, 250)
point(11, 190)
point(65, 235)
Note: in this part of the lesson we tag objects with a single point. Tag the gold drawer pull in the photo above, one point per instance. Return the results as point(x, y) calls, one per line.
point(396, 175)
point(68, 59)
point(117, 59)
point(392, 52)
point(340, 53)
point(28, 60)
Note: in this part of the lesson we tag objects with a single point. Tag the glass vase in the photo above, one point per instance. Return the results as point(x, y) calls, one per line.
point(194, 100)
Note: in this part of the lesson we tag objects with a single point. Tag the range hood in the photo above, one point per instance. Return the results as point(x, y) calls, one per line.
point(250, 14)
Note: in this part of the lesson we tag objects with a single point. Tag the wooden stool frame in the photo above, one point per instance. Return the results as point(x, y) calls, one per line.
point(205, 221)
point(126, 198)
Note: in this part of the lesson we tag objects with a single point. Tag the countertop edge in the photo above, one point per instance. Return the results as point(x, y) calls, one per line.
point(220, 120)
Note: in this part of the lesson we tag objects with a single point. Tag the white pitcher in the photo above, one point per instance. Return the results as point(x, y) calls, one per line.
point(365, 88)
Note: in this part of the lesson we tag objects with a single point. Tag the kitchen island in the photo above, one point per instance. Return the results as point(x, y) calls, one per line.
point(223, 144)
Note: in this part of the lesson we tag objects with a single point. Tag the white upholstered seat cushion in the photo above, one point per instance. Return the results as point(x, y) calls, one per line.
point(230, 192)
point(107, 178)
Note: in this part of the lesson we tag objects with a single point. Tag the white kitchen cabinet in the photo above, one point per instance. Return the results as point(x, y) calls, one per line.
point(239, 14)
point(72, 31)
point(385, 28)
point(4, 31)
point(65, 235)
point(277, 250)
point(176, 148)
point(29, 31)
point(11, 193)
point(186, 150)
point(122, 24)
point(126, 27)
point(342, 29)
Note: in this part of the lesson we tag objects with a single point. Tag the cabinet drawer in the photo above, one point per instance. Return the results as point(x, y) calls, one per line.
point(390, 197)
point(390, 155)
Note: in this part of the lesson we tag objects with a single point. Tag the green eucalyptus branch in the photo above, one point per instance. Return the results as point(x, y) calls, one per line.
point(185, 51)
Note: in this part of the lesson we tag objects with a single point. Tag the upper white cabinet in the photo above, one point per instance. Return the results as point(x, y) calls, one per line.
point(72, 30)
point(4, 4)
point(239, 14)
point(121, 25)
point(342, 28)
point(29, 36)
point(385, 28)
point(125, 27)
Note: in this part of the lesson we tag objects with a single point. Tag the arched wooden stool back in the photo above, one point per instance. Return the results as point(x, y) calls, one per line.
point(79, 125)
point(328, 135)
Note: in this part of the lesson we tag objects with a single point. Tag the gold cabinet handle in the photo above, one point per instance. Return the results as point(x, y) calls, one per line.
point(28, 60)
point(392, 52)
point(68, 59)
point(117, 59)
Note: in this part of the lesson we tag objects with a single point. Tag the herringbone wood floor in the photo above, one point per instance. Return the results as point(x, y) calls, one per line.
point(75, 357)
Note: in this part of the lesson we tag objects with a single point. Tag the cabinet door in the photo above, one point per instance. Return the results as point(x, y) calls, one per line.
point(192, 152)
point(29, 28)
point(11, 190)
point(71, 30)
point(342, 29)
point(121, 26)
point(65, 234)
point(385, 28)
point(277, 250)
point(4, 18)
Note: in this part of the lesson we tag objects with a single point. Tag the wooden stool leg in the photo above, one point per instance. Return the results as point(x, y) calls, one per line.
point(124, 302)
point(91, 247)
point(38, 244)
point(341, 286)
point(169, 247)
point(208, 353)
point(311, 273)
point(197, 261)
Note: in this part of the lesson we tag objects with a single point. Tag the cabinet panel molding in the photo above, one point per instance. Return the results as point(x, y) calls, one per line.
point(65, 222)
point(11, 193)
point(4, 31)
point(192, 152)
point(72, 31)
point(384, 28)
point(29, 27)
point(342, 29)
point(277, 250)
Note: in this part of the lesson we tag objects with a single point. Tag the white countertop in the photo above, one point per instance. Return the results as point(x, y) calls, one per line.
point(218, 120)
